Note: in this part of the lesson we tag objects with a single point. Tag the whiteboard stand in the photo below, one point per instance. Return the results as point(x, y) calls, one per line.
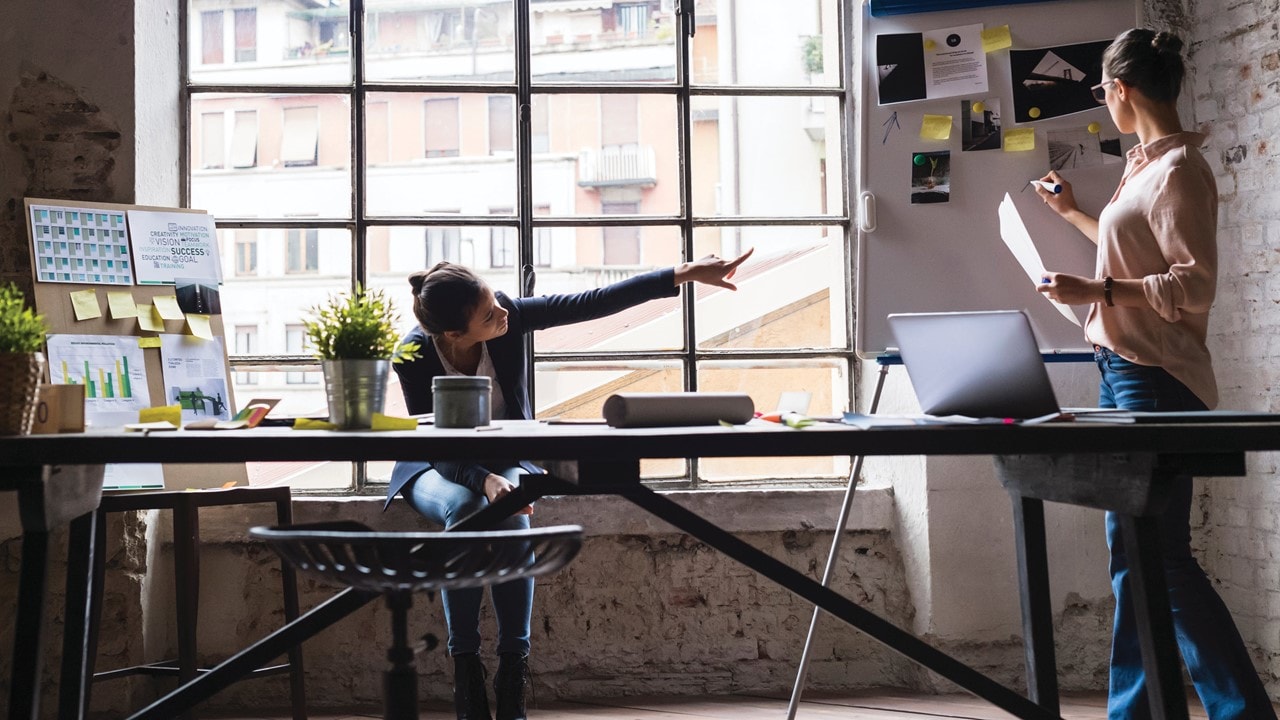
point(884, 361)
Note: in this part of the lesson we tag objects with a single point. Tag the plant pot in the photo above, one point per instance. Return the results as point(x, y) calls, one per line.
point(355, 389)
point(19, 378)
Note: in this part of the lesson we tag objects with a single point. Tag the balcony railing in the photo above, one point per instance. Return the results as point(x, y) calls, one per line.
point(614, 166)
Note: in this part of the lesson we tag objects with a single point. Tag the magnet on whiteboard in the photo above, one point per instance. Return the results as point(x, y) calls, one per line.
point(929, 44)
point(978, 107)
point(1034, 112)
point(1094, 128)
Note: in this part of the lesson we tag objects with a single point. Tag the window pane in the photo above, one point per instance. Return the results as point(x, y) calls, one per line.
point(608, 148)
point(766, 156)
point(599, 42)
point(438, 158)
point(578, 390)
point(266, 42)
point(427, 40)
point(785, 291)
point(765, 381)
point(655, 325)
point(751, 43)
point(290, 154)
point(246, 251)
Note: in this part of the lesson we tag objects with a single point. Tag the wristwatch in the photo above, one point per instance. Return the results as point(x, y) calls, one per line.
point(1107, 283)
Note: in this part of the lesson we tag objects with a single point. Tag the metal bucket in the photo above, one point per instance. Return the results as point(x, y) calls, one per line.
point(356, 389)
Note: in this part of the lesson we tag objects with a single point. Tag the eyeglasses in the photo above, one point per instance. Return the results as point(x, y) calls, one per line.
point(1100, 91)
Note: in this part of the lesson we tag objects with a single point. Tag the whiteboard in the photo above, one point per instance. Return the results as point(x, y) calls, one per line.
point(948, 256)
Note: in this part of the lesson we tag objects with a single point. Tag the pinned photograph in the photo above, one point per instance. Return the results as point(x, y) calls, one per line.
point(198, 296)
point(1055, 81)
point(930, 177)
point(1072, 149)
point(980, 124)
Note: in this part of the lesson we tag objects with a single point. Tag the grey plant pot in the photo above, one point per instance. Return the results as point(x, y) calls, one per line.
point(355, 389)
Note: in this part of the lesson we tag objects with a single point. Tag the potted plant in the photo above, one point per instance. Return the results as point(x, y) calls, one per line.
point(354, 336)
point(21, 362)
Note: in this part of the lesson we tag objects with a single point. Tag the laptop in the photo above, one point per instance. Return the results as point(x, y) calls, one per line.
point(978, 364)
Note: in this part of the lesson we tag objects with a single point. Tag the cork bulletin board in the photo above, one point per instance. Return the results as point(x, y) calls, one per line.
point(80, 253)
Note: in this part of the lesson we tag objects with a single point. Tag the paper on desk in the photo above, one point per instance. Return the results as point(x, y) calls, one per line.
point(1018, 240)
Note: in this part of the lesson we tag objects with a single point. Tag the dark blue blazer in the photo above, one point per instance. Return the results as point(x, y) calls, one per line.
point(509, 360)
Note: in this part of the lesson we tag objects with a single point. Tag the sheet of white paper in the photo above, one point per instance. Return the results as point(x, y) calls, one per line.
point(195, 376)
point(1018, 240)
point(955, 62)
point(170, 245)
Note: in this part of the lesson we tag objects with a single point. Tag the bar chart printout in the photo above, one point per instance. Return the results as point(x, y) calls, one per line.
point(110, 368)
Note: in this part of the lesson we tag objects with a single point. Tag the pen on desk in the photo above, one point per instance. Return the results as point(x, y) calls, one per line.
point(1054, 188)
point(483, 428)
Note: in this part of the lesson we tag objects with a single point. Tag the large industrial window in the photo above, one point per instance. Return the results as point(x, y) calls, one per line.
point(553, 147)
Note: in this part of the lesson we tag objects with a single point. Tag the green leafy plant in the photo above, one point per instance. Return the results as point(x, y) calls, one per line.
point(811, 54)
point(21, 330)
point(357, 326)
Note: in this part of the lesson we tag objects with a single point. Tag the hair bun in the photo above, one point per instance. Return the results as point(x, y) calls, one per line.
point(1167, 42)
point(416, 280)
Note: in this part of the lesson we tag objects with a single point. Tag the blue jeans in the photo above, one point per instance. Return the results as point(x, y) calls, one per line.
point(447, 502)
point(1215, 656)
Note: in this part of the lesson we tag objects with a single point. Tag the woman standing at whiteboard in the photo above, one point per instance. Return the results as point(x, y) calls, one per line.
point(1150, 298)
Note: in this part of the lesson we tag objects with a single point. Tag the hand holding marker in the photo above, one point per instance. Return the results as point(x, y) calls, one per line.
point(1052, 187)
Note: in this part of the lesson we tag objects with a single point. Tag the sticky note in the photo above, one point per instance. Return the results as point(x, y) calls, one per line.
point(164, 413)
point(936, 127)
point(149, 319)
point(996, 38)
point(1020, 140)
point(148, 342)
point(167, 306)
point(85, 303)
point(199, 325)
point(387, 422)
point(309, 424)
point(121, 304)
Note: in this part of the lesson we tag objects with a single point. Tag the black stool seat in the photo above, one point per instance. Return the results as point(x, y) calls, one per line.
point(397, 564)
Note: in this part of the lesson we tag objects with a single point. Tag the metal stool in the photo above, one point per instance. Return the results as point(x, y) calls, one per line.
point(397, 564)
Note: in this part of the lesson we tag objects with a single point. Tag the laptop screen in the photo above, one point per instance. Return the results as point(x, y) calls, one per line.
point(978, 364)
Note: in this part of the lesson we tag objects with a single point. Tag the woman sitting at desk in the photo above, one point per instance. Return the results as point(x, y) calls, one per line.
point(1157, 272)
point(465, 328)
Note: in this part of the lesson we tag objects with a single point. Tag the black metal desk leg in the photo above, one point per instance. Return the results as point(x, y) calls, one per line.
point(186, 574)
point(1037, 610)
point(28, 645)
point(1155, 621)
point(76, 668)
point(289, 579)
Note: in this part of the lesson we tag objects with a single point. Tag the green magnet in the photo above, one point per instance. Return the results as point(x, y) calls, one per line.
point(918, 159)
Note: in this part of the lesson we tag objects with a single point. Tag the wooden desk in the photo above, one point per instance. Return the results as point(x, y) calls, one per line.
point(1113, 467)
point(50, 497)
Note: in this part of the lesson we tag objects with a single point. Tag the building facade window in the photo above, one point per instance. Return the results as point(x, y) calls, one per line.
point(244, 139)
point(246, 20)
point(246, 344)
point(302, 251)
point(296, 343)
point(502, 128)
point(440, 124)
point(213, 140)
point(246, 252)
point(300, 145)
point(211, 39)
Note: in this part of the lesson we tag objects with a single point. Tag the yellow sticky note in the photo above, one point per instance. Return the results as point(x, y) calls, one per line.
point(1020, 140)
point(167, 306)
point(121, 304)
point(199, 325)
point(166, 413)
point(308, 424)
point(149, 319)
point(149, 342)
point(85, 303)
point(387, 422)
point(936, 127)
point(996, 38)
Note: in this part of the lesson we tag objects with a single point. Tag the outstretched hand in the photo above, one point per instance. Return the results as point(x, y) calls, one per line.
point(711, 270)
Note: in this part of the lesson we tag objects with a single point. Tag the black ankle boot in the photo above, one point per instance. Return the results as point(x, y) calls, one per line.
point(509, 684)
point(469, 699)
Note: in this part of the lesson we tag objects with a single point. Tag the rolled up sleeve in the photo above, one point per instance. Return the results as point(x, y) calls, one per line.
point(1184, 220)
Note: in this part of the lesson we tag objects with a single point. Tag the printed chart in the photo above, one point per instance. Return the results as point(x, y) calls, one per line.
point(110, 368)
point(80, 245)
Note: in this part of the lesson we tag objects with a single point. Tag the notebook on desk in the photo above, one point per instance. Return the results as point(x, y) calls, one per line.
point(977, 364)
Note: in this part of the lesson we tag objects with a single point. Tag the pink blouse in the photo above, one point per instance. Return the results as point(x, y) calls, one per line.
point(1161, 227)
